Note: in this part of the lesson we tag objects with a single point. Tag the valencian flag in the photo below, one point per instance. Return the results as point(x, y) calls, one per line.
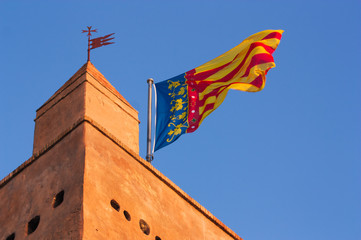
point(184, 101)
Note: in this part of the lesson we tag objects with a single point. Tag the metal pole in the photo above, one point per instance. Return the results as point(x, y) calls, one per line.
point(88, 48)
point(149, 127)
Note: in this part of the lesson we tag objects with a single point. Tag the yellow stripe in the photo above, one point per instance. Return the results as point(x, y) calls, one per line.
point(209, 100)
point(223, 72)
point(219, 101)
point(237, 77)
point(237, 82)
point(241, 49)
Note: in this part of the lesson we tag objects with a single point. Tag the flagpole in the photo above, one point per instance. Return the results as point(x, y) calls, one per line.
point(88, 48)
point(149, 156)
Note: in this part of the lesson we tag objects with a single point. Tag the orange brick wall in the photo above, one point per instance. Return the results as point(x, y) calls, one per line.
point(31, 192)
point(113, 174)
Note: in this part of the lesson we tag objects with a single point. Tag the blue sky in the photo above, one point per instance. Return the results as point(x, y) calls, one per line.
point(282, 164)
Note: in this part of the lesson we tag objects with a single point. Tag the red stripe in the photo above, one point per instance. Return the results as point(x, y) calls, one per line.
point(230, 75)
point(194, 104)
point(193, 107)
point(257, 82)
point(205, 74)
point(258, 59)
point(209, 106)
point(214, 92)
point(192, 75)
point(201, 86)
point(269, 49)
point(273, 35)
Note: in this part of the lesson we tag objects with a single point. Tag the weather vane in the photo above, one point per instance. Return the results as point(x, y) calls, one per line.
point(96, 42)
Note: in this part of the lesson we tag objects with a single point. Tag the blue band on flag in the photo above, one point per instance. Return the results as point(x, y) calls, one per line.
point(172, 110)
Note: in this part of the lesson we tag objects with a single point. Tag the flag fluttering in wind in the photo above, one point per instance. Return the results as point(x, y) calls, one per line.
point(184, 101)
point(101, 41)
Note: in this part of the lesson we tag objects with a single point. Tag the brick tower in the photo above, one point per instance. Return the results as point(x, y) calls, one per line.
point(86, 180)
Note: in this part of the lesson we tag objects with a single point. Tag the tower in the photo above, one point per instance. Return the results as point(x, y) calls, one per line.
point(86, 179)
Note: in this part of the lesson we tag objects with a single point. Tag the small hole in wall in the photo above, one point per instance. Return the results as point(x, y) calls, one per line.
point(58, 199)
point(33, 224)
point(115, 205)
point(144, 227)
point(157, 238)
point(11, 237)
point(127, 215)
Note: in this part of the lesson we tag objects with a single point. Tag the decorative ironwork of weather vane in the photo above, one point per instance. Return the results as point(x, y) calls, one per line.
point(97, 42)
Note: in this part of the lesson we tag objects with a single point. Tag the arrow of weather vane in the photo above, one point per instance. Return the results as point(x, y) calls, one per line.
point(97, 42)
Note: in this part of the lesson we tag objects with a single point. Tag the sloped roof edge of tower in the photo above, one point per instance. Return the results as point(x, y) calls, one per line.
point(140, 160)
point(167, 181)
point(89, 68)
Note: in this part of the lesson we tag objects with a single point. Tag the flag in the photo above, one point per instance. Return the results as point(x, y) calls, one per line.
point(184, 101)
point(100, 41)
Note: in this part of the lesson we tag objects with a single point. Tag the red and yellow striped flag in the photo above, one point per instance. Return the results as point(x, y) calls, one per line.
point(186, 100)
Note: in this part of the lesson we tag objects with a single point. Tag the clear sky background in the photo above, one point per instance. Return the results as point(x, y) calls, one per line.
point(280, 164)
